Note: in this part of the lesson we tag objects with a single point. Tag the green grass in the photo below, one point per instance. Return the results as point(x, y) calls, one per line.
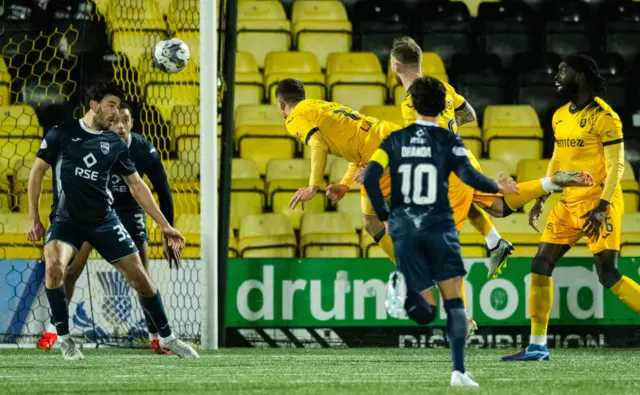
point(316, 371)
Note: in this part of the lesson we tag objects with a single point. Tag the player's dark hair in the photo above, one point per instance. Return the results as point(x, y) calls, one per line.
point(428, 95)
point(406, 51)
point(586, 65)
point(290, 90)
point(101, 89)
point(126, 106)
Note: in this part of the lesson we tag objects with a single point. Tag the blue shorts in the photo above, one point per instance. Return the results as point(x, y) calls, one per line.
point(135, 222)
point(109, 238)
point(426, 258)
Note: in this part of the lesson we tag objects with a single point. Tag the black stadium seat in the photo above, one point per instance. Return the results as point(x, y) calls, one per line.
point(613, 68)
point(479, 77)
point(567, 27)
point(376, 23)
point(444, 28)
point(505, 29)
point(621, 21)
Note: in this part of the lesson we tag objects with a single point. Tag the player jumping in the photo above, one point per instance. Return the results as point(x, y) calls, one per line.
point(588, 134)
point(147, 161)
point(425, 239)
point(85, 156)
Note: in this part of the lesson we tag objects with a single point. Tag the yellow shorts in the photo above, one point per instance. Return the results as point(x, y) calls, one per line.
point(564, 225)
point(463, 196)
point(385, 186)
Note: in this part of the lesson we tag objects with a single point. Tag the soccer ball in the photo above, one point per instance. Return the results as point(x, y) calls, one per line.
point(171, 56)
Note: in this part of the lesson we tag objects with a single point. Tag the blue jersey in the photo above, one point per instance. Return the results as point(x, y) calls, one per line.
point(83, 162)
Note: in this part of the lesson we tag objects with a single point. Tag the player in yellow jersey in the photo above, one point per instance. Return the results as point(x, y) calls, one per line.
point(588, 134)
point(331, 128)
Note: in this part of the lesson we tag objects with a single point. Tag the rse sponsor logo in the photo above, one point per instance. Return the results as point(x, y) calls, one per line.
point(570, 142)
point(86, 174)
point(420, 152)
point(116, 185)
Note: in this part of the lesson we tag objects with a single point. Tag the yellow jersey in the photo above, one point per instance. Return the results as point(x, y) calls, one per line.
point(447, 117)
point(580, 138)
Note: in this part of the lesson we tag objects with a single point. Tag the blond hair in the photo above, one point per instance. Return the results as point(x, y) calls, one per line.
point(406, 51)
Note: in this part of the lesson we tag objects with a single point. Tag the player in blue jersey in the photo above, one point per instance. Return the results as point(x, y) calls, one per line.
point(420, 159)
point(85, 155)
point(147, 161)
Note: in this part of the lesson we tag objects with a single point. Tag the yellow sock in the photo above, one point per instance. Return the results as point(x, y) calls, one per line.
point(529, 191)
point(629, 292)
point(387, 246)
point(480, 220)
point(540, 300)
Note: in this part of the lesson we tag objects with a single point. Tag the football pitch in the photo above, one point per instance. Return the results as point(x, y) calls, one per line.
point(316, 371)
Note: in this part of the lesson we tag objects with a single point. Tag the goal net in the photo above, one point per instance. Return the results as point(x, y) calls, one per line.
point(50, 56)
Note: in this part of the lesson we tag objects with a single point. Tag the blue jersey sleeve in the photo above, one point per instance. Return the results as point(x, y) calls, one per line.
point(460, 164)
point(371, 180)
point(158, 177)
point(50, 146)
point(123, 165)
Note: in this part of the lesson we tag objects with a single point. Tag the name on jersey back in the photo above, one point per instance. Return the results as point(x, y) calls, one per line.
point(416, 152)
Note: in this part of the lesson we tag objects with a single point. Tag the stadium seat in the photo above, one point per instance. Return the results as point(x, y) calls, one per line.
point(512, 133)
point(247, 191)
point(248, 88)
point(301, 65)
point(493, 167)
point(370, 248)
point(50, 99)
point(614, 70)
point(189, 225)
point(166, 96)
point(351, 204)
point(505, 29)
point(531, 169)
point(472, 243)
point(183, 175)
point(516, 229)
point(5, 203)
point(328, 235)
point(19, 121)
point(306, 154)
point(262, 28)
point(321, 27)
point(185, 124)
point(535, 82)
point(567, 27)
point(284, 178)
point(266, 235)
point(184, 15)
point(621, 28)
point(261, 135)
point(355, 79)
point(630, 190)
point(480, 79)
point(148, 74)
point(186, 203)
point(134, 44)
point(431, 65)
point(630, 238)
point(5, 84)
point(134, 14)
point(338, 169)
point(376, 24)
point(13, 243)
point(443, 28)
point(471, 134)
point(384, 113)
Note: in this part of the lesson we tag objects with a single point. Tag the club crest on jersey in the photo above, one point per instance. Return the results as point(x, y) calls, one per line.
point(104, 146)
point(583, 122)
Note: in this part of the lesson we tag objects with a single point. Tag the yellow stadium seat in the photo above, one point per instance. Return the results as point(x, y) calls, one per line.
point(531, 169)
point(184, 15)
point(5, 203)
point(13, 240)
point(356, 79)
point(300, 65)
point(148, 74)
point(18, 121)
point(262, 28)
point(183, 175)
point(192, 39)
point(351, 204)
point(328, 235)
point(473, 5)
point(512, 133)
point(432, 66)
point(471, 135)
point(186, 203)
point(492, 167)
point(189, 149)
point(134, 44)
point(321, 27)
point(134, 14)
point(247, 191)
point(516, 229)
point(185, 124)
point(5, 84)
point(261, 135)
point(306, 154)
point(248, 88)
point(20, 176)
point(370, 248)
point(18, 150)
point(384, 113)
point(630, 189)
point(189, 225)
point(284, 178)
point(472, 243)
point(46, 202)
point(266, 235)
point(166, 96)
point(631, 229)
point(338, 170)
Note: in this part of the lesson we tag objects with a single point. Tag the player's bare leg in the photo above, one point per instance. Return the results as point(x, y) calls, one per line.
point(132, 270)
point(57, 256)
point(451, 291)
point(376, 229)
point(154, 336)
point(71, 275)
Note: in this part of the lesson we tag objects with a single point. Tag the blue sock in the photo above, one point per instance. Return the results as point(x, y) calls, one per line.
point(456, 331)
point(59, 309)
point(150, 325)
point(153, 306)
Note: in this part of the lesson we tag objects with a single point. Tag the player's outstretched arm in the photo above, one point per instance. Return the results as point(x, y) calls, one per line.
point(371, 183)
point(319, 153)
point(36, 177)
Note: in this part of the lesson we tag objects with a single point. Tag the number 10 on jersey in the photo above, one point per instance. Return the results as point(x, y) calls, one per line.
point(415, 179)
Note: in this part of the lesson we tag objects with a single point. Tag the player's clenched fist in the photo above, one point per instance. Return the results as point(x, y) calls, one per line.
point(336, 192)
point(507, 185)
point(35, 231)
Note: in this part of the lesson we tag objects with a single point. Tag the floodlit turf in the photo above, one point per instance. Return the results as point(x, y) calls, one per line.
point(316, 371)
